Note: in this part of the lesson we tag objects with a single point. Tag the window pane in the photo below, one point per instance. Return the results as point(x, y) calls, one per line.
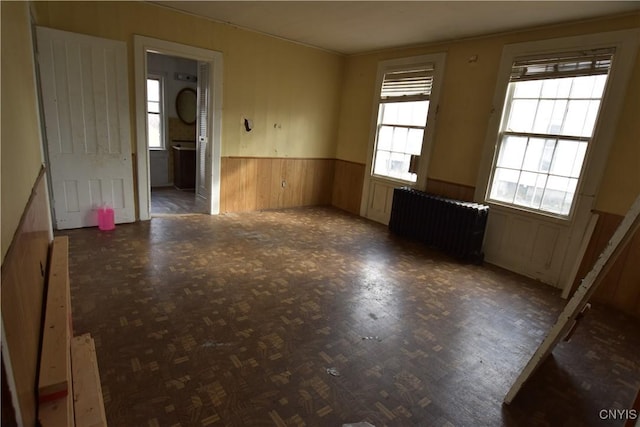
point(512, 152)
point(414, 141)
point(543, 116)
point(564, 157)
point(527, 89)
point(558, 195)
point(153, 130)
point(598, 86)
point(382, 163)
point(420, 111)
point(590, 120)
point(395, 145)
point(547, 155)
point(556, 88)
point(389, 113)
point(577, 164)
point(576, 115)
point(153, 90)
point(549, 116)
point(582, 87)
point(153, 107)
point(530, 189)
point(504, 185)
point(557, 118)
point(399, 165)
point(384, 138)
point(405, 113)
point(399, 141)
point(539, 155)
point(522, 114)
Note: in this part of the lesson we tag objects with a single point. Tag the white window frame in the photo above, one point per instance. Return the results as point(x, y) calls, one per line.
point(626, 44)
point(504, 132)
point(380, 123)
point(437, 60)
point(163, 120)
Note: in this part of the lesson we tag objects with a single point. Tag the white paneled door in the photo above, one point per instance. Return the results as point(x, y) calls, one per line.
point(85, 98)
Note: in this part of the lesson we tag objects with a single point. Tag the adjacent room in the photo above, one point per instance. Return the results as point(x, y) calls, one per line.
point(319, 213)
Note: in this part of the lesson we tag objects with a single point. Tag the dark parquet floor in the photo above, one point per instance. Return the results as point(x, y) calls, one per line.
point(234, 320)
point(172, 201)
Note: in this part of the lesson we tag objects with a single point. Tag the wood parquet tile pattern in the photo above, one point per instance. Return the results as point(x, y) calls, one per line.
point(234, 320)
point(172, 201)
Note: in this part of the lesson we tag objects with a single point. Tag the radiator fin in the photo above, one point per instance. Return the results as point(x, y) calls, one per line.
point(454, 226)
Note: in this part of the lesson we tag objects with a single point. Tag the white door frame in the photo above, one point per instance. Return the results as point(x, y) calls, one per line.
point(142, 46)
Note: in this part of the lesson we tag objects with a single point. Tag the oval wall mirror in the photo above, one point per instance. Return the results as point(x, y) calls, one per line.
point(186, 105)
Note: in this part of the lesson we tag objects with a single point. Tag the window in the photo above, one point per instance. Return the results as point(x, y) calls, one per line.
point(550, 114)
point(155, 113)
point(402, 118)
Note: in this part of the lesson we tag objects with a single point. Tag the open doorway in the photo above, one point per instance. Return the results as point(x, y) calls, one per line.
point(178, 111)
point(171, 91)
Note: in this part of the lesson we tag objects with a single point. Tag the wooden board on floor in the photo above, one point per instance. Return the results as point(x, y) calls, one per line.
point(634, 407)
point(567, 318)
point(55, 375)
point(57, 413)
point(87, 392)
point(23, 282)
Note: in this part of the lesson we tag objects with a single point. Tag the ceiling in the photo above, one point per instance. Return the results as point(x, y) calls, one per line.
point(350, 27)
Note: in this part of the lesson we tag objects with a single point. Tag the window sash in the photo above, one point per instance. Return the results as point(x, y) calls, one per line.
point(401, 145)
point(540, 190)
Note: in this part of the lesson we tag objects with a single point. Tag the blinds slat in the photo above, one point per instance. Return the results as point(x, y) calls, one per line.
point(569, 65)
point(417, 82)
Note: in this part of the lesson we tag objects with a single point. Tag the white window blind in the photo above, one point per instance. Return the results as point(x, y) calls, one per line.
point(407, 83)
point(574, 64)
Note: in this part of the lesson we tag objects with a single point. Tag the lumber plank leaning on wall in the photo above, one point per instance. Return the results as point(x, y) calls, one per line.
point(23, 278)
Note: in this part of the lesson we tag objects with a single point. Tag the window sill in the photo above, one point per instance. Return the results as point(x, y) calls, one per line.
point(396, 180)
point(556, 218)
point(157, 149)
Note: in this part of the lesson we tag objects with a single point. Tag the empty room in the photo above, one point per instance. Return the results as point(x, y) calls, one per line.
point(320, 213)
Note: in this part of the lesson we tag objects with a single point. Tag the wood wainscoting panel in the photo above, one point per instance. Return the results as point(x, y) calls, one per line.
point(450, 190)
point(621, 286)
point(23, 281)
point(347, 186)
point(255, 183)
point(238, 184)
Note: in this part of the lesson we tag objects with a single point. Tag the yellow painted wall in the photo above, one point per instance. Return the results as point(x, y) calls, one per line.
point(20, 153)
point(466, 103)
point(268, 80)
point(621, 182)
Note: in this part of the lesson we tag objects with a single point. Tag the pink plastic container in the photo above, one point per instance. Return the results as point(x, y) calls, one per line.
point(106, 218)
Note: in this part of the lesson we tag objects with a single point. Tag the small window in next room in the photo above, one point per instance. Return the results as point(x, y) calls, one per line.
point(550, 115)
point(155, 113)
point(402, 119)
